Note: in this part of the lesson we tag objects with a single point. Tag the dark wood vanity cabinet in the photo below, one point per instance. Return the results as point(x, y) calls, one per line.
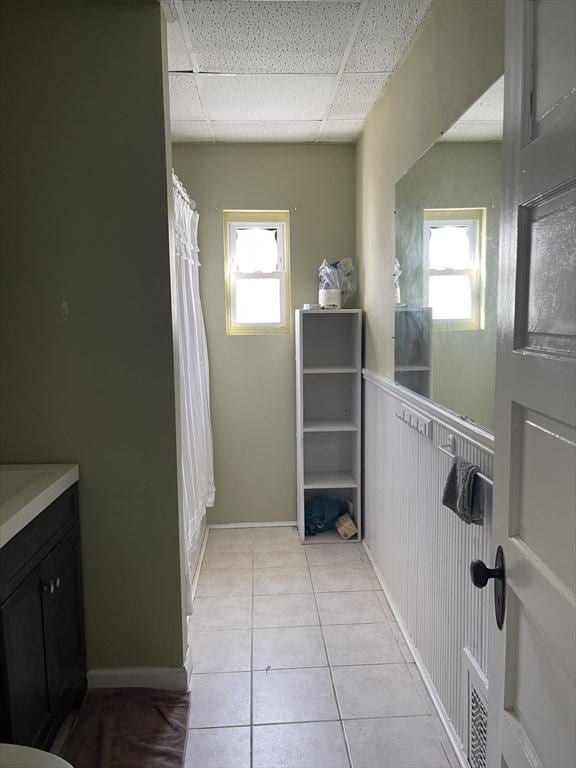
point(42, 654)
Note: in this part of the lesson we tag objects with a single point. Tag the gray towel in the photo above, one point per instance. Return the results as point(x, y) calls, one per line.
point(465, 493)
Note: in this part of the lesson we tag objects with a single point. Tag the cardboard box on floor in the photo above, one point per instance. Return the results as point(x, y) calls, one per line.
point(346, 527)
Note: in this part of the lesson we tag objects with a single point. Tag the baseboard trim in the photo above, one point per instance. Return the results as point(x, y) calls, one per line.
point(168, 678)
point(193, 588)
point(422, 668)
point(284, 524)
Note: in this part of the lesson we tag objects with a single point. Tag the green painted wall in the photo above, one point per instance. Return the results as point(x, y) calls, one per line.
point(252, 377)
point(456, 54)
point(84, 219)
point(455, 175)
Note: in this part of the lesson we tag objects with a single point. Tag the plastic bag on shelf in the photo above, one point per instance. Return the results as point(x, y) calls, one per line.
point(348, 281)
point(328, 277)
point(338, 276)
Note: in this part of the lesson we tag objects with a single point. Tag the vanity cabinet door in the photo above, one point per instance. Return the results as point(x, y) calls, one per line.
point(63, 621)
point(42, 659)
point(23, 662)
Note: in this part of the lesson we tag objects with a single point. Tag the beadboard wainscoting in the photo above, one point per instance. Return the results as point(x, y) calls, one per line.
point(421, 549)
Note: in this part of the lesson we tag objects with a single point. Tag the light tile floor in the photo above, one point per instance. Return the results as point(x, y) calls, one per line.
point(298, 662)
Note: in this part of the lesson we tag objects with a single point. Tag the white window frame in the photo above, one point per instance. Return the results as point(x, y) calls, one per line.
point(475, 219)
point(279, 220)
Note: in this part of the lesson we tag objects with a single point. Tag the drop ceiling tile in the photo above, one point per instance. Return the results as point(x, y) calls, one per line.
point(248, 98)
point(177, 54)
point(341, 131)
point(483, 120)
point(184, 100)
point(269, 37)
point(385, 32)
point(299, 130)
point(356, 94)
point(490, 106)
point(189, 130)
point(474, 130)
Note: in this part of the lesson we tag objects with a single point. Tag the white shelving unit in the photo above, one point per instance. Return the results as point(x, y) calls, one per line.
point(413, 348)
point(328, 411)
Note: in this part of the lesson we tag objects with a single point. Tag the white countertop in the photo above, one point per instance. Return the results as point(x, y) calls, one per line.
point(26, 490)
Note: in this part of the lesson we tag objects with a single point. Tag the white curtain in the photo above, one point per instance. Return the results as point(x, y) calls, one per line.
point(197, 471)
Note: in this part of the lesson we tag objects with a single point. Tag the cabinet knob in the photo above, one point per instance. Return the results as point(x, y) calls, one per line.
point(51, 586)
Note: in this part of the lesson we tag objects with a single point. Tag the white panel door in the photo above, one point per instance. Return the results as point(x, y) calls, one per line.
point(532, 663)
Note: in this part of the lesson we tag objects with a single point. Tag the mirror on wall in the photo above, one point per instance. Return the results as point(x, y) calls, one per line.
point(447, 237)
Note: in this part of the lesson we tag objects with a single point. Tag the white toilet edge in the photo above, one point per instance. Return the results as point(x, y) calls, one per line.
point(16, 756)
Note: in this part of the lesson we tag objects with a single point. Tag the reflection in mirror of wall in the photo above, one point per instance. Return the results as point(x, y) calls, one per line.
point(447, 226)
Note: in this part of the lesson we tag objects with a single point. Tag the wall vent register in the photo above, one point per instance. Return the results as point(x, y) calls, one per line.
point(478, 730)
point(477, 698)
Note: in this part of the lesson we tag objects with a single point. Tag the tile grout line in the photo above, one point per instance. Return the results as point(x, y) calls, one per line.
point(325, 624)
point(306, 722)
point(347, 746)
point(284, 594)
point(388, 623)
point(312, 666)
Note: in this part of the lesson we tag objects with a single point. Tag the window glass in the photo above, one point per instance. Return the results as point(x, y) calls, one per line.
point(449, 247)
point(256, 249)
point(258, 301)
point(450, 297)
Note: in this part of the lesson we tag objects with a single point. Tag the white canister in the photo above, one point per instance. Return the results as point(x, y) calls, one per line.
point(330, 298)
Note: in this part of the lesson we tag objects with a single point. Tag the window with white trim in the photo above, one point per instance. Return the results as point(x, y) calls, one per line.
point(257, 252)
point(454, 267)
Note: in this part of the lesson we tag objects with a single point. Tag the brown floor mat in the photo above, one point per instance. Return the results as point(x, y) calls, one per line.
point(129, 728)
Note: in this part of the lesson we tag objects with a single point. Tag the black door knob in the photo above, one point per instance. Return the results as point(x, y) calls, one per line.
point(481, 574)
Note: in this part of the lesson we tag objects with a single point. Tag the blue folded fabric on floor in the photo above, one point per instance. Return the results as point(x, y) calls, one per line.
point(465, 493)
point(321, 513)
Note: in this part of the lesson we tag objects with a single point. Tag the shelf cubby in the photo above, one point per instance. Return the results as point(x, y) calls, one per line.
point(331, 339)
point(331, 398)
point(349, 495)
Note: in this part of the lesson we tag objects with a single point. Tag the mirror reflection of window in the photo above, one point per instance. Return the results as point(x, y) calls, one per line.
point(447, 243)
point(453, 247)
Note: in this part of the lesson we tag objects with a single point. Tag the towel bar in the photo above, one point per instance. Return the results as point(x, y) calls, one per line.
point(445, 449)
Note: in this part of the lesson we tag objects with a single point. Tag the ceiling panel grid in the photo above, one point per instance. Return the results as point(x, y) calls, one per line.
point(282, 70)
